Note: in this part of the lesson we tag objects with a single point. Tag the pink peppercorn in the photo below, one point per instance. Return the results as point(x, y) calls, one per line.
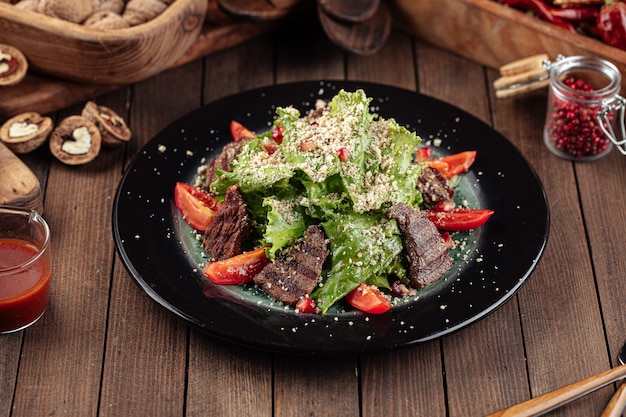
point(572, 127)
point(580, 88)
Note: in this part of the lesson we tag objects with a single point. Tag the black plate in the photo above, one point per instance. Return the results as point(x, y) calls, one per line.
point(492, 263)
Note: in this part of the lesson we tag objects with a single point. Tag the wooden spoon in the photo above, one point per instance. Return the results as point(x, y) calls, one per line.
point(350, 10)
point(19, 186)
point(363, 38)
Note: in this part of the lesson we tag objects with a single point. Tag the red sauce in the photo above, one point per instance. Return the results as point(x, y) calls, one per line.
point(23, 294)
point(13, 66)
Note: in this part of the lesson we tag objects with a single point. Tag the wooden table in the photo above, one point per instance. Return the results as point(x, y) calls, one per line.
point(104, 348)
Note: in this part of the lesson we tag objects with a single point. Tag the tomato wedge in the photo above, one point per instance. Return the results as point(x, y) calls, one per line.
point(238, 269)
point(368, 298)
point(240, 132)
point(459, 219)
point(454, 164)
point(195, 205)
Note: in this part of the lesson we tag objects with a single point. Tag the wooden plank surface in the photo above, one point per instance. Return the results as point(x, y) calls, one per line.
point(559, 306)
point(105, 349)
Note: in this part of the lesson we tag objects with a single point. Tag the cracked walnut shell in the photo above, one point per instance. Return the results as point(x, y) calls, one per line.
point(71, 11)
point(113, 129)
point(13, 65)
point(25, 132)
point(75, 141)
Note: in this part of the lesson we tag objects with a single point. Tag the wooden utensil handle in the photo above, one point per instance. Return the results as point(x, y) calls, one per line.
point(520, 66)
point(551, 400)
point(615, 407)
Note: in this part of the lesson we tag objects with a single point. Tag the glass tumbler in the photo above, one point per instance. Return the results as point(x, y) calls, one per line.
point(25, 268)
point(584, 108)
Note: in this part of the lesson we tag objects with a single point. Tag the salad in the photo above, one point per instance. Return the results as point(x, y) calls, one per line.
point(340, 168)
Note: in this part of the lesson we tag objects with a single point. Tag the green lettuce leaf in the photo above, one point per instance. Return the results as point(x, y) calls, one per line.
point(364, 248)
point(285, 224)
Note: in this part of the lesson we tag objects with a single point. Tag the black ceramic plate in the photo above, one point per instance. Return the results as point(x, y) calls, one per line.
point(490, 264)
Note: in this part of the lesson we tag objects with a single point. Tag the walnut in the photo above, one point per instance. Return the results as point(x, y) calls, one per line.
point(115, 6)
point(141, 11)
point(105, 20)
point(113, 129)
point(13, 65)
point(72, 11)
point(25, 132)
point(32, 5)
point(75, 141)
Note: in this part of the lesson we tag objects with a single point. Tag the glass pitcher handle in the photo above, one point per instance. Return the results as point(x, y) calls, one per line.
point(617, 107)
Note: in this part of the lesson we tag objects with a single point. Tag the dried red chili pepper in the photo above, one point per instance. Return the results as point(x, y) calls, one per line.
point(611, 24)
point(542, 10)
point(575, 14)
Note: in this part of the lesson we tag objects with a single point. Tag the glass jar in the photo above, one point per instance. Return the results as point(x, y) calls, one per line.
point(584, 108)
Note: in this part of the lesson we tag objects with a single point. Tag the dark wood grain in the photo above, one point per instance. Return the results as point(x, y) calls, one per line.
point(104, 348)
point(78, 203)
point(559, 305)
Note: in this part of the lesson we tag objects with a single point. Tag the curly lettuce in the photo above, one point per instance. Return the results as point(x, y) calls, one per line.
point(341, 167)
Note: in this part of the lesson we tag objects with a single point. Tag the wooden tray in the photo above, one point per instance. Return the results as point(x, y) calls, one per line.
point(78, 53)
point(44, 94)
point(492, 34)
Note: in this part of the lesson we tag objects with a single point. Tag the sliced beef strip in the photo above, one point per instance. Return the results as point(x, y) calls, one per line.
point(426, 253)
point(226, 234)
point(295, 273)
point(434, 186)
point(222, 161)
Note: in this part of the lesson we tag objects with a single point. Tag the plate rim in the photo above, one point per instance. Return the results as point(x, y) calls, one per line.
point(189, 319)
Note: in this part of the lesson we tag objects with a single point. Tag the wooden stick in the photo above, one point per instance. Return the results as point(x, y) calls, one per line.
point(554, 399)
point(523, 65)
point(615, 407)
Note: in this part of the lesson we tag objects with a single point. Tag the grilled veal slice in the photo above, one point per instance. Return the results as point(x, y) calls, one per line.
point(227, 233)
point(426, 253)
point(295, 273)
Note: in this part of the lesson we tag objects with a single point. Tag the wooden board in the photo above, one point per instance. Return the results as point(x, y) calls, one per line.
point(44, 94)
point(19, 186)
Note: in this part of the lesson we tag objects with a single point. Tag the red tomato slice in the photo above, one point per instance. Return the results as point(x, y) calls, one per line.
point(455, 164)
point(459, 219)
point(195, 205)
point(240, 132)
point(238, 269)
point(368, 298)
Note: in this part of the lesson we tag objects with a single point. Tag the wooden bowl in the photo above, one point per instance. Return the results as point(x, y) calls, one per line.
point(492, 34)
point(118, 56)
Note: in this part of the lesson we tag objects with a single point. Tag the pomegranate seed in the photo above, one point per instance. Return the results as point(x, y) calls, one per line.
point(269, 146)
point(423, 154)
point(277, 133)
point(445, 205)
point(306, 305)
point(308, 145)
point(344, 155)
